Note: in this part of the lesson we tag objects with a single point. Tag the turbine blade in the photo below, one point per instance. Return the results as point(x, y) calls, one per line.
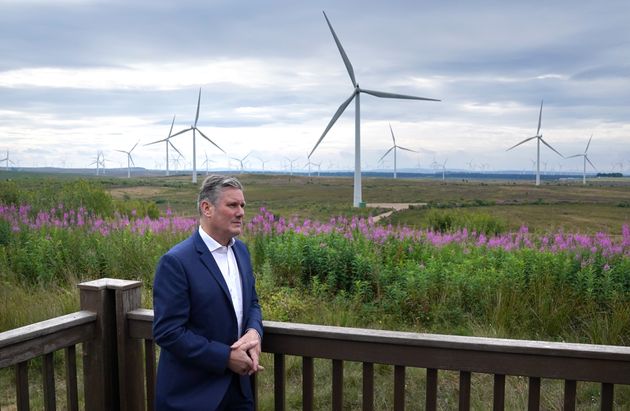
point(589, 161)
point(131, 159)
point(524, 141)
point(539, 118)
point(198, 104)
point(155, 142)
point(247, 156)
point(338, 113)
point(204, 136)
point(171, 130)
point(589, 143)
point(407, 149)
point(394, 95)
point(386, 153)
point(392, 131)
point(545, 143)
point(122, 151)
point(175, 148)
point(181, 132)
point(576, 155)
point(346, 61)
point(134, 147)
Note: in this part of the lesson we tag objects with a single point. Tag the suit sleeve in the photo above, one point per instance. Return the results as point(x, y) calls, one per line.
point(172, 309)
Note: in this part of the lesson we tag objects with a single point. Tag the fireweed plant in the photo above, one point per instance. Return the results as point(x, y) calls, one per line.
point(518, 284)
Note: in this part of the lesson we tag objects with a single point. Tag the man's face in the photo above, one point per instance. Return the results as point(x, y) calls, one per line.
point(225, 219)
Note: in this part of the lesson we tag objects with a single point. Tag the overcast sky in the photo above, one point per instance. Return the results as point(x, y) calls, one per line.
point(78, 76)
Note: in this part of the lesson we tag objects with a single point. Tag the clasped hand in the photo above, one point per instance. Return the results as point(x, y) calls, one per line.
point(245, 354)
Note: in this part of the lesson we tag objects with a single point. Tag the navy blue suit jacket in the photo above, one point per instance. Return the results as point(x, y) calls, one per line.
point(195, 325)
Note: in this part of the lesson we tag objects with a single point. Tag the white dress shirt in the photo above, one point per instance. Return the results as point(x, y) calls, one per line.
point(224, 257)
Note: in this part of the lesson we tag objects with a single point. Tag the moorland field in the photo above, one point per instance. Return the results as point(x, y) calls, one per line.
point(493, 258)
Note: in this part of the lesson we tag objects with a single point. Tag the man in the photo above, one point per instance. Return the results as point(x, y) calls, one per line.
point(207, 319)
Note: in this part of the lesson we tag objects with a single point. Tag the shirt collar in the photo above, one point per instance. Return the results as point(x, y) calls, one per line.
point(211, 243)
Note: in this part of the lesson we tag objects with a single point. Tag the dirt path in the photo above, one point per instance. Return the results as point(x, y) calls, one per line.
point(394, 208)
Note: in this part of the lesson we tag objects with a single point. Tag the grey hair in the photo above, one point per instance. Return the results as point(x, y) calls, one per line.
point(212, 187)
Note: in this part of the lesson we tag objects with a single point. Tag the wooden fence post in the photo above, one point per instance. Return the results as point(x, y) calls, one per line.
point(112, 362)
point(130, 354)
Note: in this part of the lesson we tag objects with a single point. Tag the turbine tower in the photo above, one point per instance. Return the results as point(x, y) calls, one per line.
point(585, 156)
point(194, 130)
point(357, 200)
point(538, 138)
point(167, 142)
point(129, 159)
point(394, 147)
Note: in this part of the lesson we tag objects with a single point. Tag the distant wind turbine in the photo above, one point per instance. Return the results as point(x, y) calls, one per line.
point(98, 161)
point(394, 147)
point(7, 160)
point(585, 157)
point(357, 198)
point(129, 159)
point(263, 163)
point(206, 162)
point(291, 164)
point(167, 142)
point(194, 130)
point(241, 161)
point(538, 138)
point(444, 168)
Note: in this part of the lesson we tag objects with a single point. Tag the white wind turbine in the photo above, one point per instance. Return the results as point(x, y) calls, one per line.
point(585, 156)
point(538, 138)
point(98, 161)
point(263, 163)
point(7, 161)
point(444, 169)
point(129, 159)
point(241, 161)
point(291, 161)
point(167, 142)
point(206, 162)
point(194, 130)
point(357, 200)
point(394, 147)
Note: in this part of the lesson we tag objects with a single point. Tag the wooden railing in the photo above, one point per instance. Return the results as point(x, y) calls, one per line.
point(113, 328)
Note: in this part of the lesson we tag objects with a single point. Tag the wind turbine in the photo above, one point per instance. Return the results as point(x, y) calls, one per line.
point(129, 159)
point(263, 163)
point(7, 160)
point(241, 160)
point(207, 162)
point(194, 130)
point(357, 200)
point(167, 142)
point(394, 147)
point(585, 156)
point(444, 168)
point(98, 161)
point(538, 138)
point(291, 162)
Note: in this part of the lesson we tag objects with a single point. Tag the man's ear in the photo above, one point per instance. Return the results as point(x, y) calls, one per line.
point(207, 209)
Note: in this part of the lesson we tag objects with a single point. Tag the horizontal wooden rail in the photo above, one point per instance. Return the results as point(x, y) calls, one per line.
point(34, 340)
point(583, 362)
point(604, 364)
